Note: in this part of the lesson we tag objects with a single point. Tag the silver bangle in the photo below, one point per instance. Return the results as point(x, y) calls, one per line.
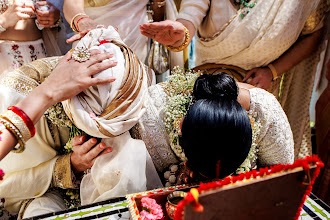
point(2, 29)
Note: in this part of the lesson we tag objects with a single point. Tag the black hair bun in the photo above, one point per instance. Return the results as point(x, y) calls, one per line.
point(217, 86)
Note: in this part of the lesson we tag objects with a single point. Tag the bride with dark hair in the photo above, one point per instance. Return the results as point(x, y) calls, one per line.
point(231, 127)
point(216, 131)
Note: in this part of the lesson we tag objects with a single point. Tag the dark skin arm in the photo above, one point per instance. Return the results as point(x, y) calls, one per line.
point(304, 47)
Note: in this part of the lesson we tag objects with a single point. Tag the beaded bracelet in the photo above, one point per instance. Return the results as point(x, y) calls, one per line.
point(26, 119)
point(19, 148)
point(184, 44)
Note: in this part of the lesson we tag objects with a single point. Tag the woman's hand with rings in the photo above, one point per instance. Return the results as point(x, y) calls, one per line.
point(17, 11)
point(70, 77)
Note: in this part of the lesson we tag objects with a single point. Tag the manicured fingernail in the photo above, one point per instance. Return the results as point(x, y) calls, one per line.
point(93, 140)
point(109, 149)
point(102, 145)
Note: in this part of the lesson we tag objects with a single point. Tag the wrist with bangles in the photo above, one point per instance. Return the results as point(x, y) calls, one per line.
point(74, 25)
point(183, 45)
point(274, 72)
point(18, 123)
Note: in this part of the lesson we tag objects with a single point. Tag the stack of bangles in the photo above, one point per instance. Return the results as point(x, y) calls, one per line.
point(183, 45)
point(17, 122)
point(74, 26)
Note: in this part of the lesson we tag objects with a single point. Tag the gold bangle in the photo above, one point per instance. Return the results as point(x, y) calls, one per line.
point(12, 129)
point(159, 4)
point(72, 25)
point(183, 45)
point(274, 72)
point(19, 124)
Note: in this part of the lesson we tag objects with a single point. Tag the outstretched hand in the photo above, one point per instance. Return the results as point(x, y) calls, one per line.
point(165, 32)
point(261, 77)
point(70, 77)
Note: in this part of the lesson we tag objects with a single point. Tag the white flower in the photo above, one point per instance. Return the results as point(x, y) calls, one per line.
point(178, 89)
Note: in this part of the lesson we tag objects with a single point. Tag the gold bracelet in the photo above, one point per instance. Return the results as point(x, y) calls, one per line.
point(19, 124)
point(274, 72)
point(158, 4)
point(183, 45)
point(19, 148)
point(72, 25)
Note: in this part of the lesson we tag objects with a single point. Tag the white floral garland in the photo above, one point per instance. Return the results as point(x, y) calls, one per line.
point(57, 116)
point(252, 157)
point(179, 89)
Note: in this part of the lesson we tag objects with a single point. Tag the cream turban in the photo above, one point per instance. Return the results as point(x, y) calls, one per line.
point(117, 105)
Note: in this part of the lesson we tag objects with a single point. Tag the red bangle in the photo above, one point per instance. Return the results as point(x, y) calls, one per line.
point(78, 22)
point(28, 122)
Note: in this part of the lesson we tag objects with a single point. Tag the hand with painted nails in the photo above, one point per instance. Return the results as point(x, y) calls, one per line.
point(70, 77)
point(85, 153)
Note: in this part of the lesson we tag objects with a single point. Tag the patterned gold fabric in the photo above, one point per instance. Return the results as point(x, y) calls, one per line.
point(315, 18)
point(62, 175)
point(29, 76)
point(296, 91)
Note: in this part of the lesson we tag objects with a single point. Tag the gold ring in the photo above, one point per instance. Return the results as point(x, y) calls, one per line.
point(81, 54)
